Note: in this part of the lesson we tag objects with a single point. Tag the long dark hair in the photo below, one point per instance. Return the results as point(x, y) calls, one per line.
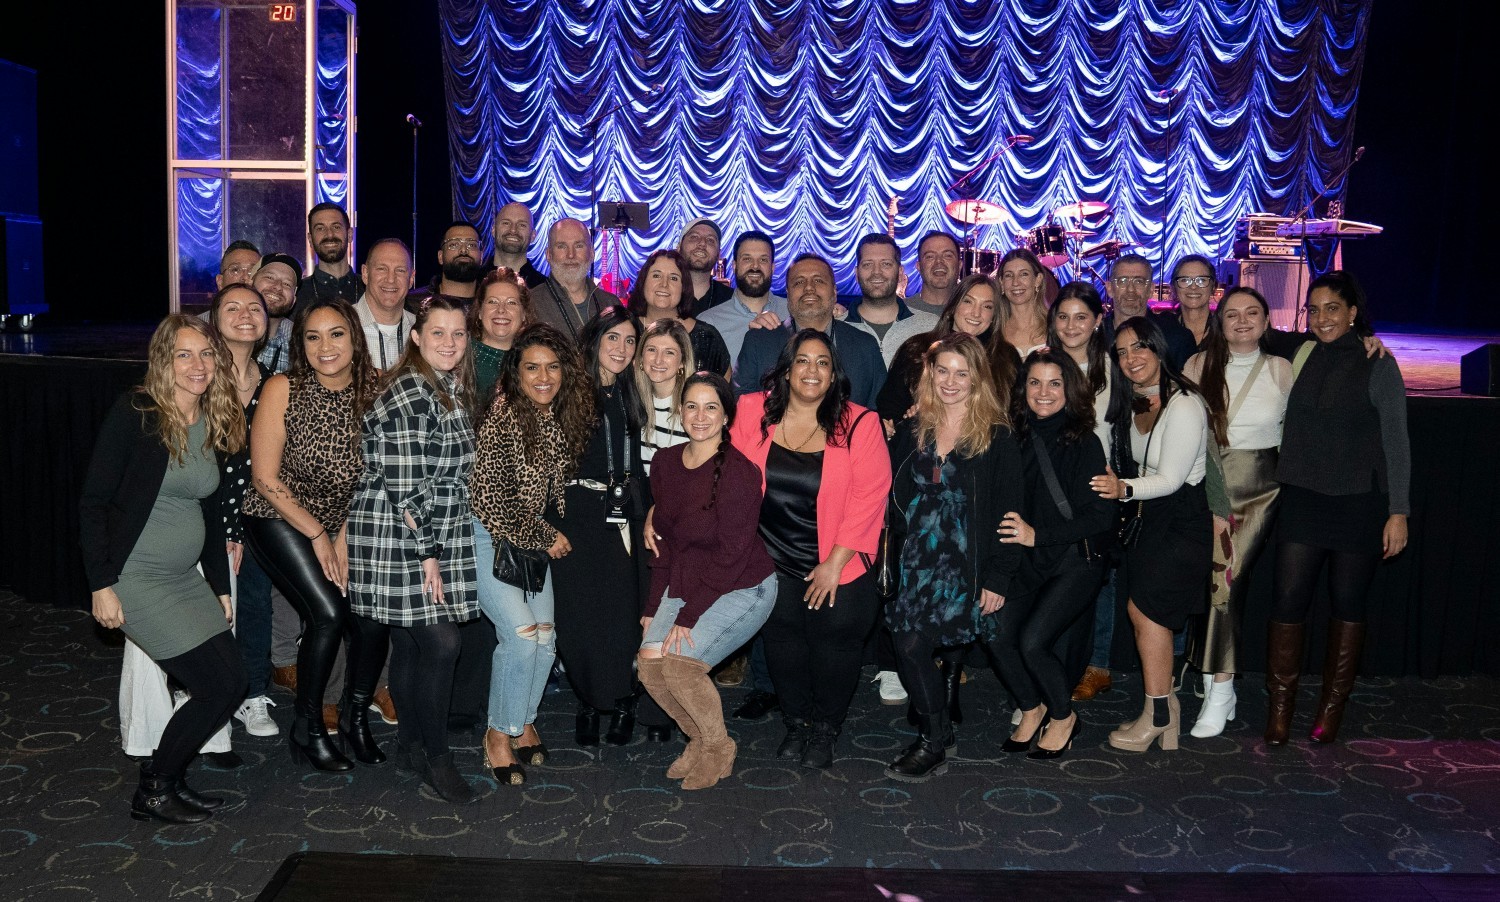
point(946, 319)
point(1169, 380)
point(573, 408)
point(726, 401)
point(1078, 411)
point(1216, 357)
point(592, 336)
point(637, 299)
point(778, 385)
point(1098, 350)
point(218, 299)
point(1343, 284)
point(362, 370)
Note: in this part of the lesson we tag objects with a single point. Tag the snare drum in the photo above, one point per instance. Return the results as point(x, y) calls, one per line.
point(1050, 244)
point(977, 260)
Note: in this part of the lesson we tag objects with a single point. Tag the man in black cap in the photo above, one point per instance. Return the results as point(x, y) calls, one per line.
point(699, 247)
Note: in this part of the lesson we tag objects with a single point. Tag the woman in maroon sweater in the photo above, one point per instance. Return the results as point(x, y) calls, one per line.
point(712, 583)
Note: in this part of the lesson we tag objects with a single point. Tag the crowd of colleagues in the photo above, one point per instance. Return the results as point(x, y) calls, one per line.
point(447, 496)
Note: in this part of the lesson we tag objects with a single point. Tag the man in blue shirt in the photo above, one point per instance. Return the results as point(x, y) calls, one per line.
point(754, 256)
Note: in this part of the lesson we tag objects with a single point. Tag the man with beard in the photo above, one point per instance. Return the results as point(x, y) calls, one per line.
point(569, 296)
point(382, 308)
point(333, 276)
point(513, 234)
point(937, 262)
point(277, 280)
point(810, 298)
point(459, 267)
point(699, 247)
point(754, 255)
point(879, 312)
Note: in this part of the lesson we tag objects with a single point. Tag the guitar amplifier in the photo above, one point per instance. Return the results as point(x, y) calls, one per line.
point(1283, 281)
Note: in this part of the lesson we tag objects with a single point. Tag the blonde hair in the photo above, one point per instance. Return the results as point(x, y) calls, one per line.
point(679, 334)
point(983, 412)
point(220, 405)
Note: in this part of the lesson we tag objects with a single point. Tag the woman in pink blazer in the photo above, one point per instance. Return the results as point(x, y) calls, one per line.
point(826, 473)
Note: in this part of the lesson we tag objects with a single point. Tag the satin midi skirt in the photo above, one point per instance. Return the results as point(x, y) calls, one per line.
point(1249, 478)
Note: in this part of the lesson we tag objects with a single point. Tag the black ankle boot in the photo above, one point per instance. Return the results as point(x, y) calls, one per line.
point(308, 743)
point(206, 803)
point(446, 781)
point(156, 797)
point(953, 677)
point(354, 727)
point(819, 751)
point(797, 733)
point(621, 721)
point(586, 729)
point(411, 758)
point(923, 759)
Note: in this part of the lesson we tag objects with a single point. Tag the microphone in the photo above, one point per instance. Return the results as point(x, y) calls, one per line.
point(1164, 93)
point(1021, 139)
point(1358, 153)
point(656, 90)
point(413, 121)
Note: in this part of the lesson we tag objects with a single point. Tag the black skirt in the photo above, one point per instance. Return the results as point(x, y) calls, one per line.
point(1166, 574)
point(1339, 522)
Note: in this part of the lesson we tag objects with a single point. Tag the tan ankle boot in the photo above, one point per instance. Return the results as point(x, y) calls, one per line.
point(652, 676)
point(687, 678)
point(1138, 736)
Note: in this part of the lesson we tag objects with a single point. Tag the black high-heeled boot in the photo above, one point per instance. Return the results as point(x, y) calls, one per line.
point(354, 727)
point(308, 742)
point(156, 797)
point(586, 727)
point(622, 721)
point(953, 677)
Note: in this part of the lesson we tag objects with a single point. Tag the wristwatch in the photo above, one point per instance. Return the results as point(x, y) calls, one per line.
point(1129, 491)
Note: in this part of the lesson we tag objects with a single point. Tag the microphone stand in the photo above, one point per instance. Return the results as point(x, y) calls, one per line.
point(1010, 142)
point(415, 124)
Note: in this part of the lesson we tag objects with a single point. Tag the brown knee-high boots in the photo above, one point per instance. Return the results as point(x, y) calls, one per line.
point(1345, 642)
point(696, 694)
point(1283, 672)
point(653, 676)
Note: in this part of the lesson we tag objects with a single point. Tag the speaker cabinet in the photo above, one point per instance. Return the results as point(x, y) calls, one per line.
point(1479, 371)
point(1283, 282)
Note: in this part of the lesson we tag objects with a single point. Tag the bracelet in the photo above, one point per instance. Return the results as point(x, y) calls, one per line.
point(321, 533)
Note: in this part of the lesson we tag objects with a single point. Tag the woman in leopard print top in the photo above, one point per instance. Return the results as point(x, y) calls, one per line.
point(528, 446)
point(305, 460)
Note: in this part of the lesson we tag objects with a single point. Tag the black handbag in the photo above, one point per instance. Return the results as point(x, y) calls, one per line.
point(519, 567)
point(887, 578)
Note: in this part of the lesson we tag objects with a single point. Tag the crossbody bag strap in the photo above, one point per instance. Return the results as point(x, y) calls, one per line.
point(1049, 475)
point(1236, 403)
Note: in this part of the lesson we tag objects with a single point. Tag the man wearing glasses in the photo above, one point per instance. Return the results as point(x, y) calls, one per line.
point(1130, 287)
point(459, 267)
point(237, 265)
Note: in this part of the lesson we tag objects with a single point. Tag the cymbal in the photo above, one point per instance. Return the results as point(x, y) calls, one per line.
point(1081, 209)
point(1105, 249)
point(1076, 234)
point(977, 212)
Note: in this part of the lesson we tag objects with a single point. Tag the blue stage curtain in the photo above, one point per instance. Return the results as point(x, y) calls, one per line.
point(804, 117)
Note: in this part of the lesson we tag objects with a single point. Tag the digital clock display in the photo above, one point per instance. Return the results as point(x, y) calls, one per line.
point(283, 12)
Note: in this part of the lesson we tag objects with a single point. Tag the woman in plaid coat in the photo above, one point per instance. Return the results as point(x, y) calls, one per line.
point(411, 538)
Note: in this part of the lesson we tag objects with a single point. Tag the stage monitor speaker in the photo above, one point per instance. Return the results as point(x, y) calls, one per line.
point(21, 267)
point(1283, 282)
point(1479, 371)
point(19, 194)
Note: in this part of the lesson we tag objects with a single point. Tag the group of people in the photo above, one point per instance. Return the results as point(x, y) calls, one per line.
point(646, 488)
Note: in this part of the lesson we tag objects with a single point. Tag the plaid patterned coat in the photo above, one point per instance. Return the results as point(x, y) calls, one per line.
point(417, 460)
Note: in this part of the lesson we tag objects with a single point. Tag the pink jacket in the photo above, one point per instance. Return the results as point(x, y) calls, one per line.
point(856, 480)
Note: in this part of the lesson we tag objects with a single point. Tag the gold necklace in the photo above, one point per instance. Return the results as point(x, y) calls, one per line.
point(815, 430)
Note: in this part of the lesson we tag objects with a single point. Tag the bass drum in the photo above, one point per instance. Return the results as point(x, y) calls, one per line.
point(1050, 244)
point(982, 261)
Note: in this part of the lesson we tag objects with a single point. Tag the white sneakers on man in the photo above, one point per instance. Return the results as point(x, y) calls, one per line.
point(891, 690)
point(1218, 707)
point(256, 719)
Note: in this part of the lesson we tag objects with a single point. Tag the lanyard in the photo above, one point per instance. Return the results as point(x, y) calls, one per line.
point(609, 443)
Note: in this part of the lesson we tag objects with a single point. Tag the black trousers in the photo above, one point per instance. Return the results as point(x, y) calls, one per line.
point(287, 557)
point(421, 682)
point(815, 656)
point(1024, 643)
point(215, 676)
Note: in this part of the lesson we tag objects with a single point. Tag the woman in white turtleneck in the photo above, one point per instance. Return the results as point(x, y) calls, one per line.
point(1246, 392)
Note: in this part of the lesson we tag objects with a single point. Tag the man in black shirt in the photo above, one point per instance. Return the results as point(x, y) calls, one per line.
point(459, 267)
point(699, 247)
point(513, 235)
point(333, 276)
point(1130, 286)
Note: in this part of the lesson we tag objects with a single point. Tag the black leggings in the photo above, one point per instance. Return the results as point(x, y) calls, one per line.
point(1023, 646)
point(922, 680)
point(215, 676)
point(815, 656)
point(421, 682)
point(287, 557)
point(1349, 576)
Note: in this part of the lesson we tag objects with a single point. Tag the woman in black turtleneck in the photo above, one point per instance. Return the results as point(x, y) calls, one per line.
point(1345, 469)
point(1063, 528)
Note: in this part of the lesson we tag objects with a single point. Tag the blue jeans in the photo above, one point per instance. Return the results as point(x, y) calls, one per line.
point(252, 624)
point(725, 626)
point(527, 643)
point(1104, 622)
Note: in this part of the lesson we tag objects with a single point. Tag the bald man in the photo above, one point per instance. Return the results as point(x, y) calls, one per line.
point(569, 297)
point(513, 235)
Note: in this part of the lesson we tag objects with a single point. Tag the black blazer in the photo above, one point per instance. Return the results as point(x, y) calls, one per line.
point(993, 485)
point(1094, 518)
point(119, 490)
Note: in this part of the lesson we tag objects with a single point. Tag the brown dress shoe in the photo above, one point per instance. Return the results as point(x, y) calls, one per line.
point(382, 702)
point(1095, 680)
point(285, 677)
point(331, 719)
point(733, 673)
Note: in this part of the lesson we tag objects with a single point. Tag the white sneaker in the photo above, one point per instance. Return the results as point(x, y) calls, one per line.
point(256, 719)
point(1218, 708)
point(891, 690)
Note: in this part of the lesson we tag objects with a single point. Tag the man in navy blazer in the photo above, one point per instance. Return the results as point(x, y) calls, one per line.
point(810, 296)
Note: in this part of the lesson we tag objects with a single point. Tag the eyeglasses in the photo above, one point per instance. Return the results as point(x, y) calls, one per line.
point(1129, 282)
point(1193, 281)
point(240, 269)
point(454, 244)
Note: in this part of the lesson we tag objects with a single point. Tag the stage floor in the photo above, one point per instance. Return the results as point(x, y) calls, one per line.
point(1429, 361)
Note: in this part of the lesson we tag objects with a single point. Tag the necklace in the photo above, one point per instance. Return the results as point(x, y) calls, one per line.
point(802, 444)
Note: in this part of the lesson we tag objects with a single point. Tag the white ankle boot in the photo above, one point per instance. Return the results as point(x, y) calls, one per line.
point(1218, 707)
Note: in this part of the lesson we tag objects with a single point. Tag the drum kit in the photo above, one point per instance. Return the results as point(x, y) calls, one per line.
point(1056, 243)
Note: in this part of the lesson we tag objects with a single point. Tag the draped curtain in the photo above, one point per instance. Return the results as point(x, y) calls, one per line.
point(803, 118)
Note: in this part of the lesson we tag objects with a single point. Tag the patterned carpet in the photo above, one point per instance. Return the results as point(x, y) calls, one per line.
point(1415, 787)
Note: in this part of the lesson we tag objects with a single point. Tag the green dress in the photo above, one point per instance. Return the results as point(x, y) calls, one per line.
point(168, 605)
